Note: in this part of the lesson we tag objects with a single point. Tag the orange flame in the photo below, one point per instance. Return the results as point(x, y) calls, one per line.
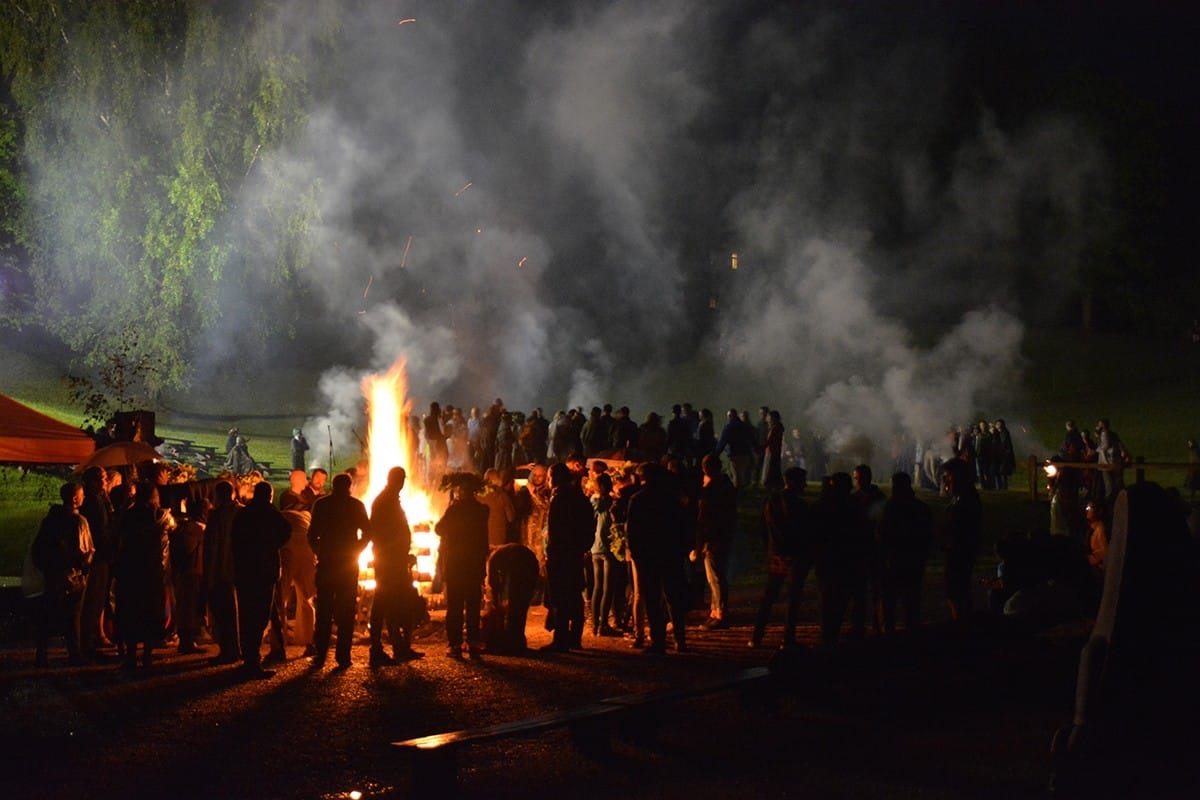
point(390, 444)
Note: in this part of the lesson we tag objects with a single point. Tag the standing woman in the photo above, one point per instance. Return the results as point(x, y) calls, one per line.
point(142, 570)
point(604, 563)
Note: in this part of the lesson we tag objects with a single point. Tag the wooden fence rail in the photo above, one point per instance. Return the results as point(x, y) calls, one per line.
point(1139, 467)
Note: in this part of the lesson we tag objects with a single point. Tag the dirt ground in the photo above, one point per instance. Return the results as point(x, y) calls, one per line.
point(940, 714)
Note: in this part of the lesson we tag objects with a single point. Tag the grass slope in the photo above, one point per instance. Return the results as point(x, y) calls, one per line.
point(1145, 388)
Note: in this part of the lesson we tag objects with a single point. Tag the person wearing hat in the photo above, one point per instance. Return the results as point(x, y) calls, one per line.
point(299, 448)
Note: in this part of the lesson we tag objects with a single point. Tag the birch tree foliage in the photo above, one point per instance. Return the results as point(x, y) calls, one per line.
point(142, 126)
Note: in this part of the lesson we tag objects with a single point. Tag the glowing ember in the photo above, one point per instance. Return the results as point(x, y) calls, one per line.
point(406, 21)
point(389, 445)
point(463, 189)
point(521, 263)
point(404, 258)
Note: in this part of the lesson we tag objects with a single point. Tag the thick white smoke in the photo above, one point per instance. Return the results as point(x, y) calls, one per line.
point(538, 202)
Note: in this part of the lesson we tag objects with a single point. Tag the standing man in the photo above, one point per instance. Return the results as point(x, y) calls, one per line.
point(1109, 450)
point(63, 551)
point(738, 438)
point(333, 535)
point(716, 524)
point(219, 571)
point(463, 552)
point(299, 448)
point(1006, 457)
point(867, 501)
point(964, 518)
point(570, 530)
point(787, 533)
point(904, 534)
point(391, 542)
point(259, 530)
point(654, 531)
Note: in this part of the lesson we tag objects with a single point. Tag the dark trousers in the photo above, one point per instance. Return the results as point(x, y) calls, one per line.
point(565, 580)
point(901, 586)
point(187, 611)
point(222, 607)
point(845, 589)
point(794, 576)
point(658, 582)
point(960, 571)
point(59, 611)
point(388, 612)
point(337, 601)
point(253, 612)
point(464, 601)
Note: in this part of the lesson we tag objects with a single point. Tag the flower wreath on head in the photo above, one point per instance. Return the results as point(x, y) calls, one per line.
point(467, 481)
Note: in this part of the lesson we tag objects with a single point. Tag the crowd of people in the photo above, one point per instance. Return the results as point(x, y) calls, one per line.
point(619, 529)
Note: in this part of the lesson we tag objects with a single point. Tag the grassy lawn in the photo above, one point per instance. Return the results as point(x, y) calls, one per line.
point(1145, 388)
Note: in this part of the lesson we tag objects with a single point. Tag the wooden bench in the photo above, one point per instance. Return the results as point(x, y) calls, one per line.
point(434, 761)
point(632, 716)
point(642, 715)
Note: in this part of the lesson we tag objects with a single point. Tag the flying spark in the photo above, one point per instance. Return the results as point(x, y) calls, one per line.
point(406, 21)
point(521, 263)
point(463, 189)
point(369, 280)
point(404, 258)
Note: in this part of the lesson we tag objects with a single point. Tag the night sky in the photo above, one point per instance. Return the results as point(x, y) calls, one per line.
point(540, 200)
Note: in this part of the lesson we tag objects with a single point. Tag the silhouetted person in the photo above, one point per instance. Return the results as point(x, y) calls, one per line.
point(512, 576)
point(298, 447)
point(187, 573)
point(772, 457)
point(259, 530)
point(960, 537)
point(840, 567)
point(788, 535)
point(716, 525)
point(219, 572)
point(98, 511)
point(657, 540)
point(62, 551)
point(738, 438)
point(904, 534)
point(463, 553)
point(868, 502)
point(298, 582)
point(391, 541)
point(141, 572)
point(570, 531)
point(333, 535)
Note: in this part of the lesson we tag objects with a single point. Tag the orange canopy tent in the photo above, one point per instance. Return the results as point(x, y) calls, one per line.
point(31, 437)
